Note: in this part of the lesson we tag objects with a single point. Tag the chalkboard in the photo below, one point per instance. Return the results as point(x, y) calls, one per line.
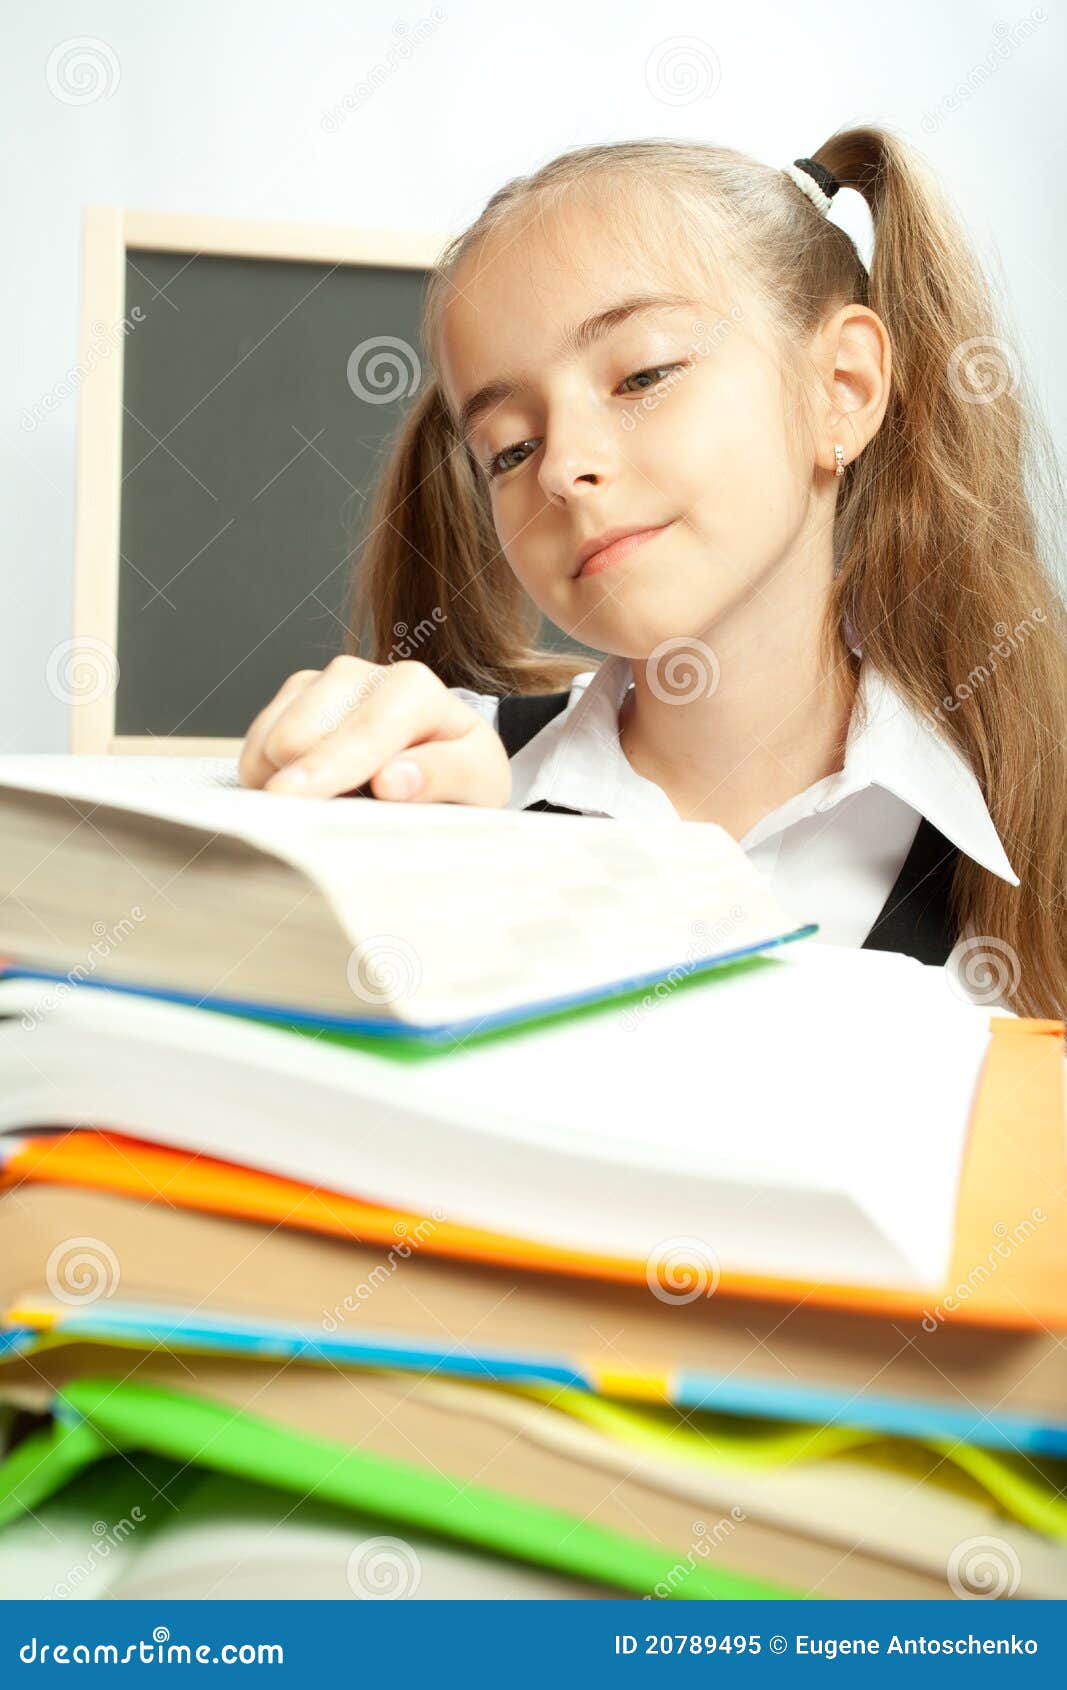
point(252, 406)
point(246, 458)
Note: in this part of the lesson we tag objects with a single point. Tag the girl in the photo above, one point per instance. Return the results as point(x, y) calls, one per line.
point(793, 503)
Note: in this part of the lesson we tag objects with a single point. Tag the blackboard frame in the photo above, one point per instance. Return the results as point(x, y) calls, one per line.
point(109, 233)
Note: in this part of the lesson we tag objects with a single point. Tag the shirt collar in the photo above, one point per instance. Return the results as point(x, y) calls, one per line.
point(576, 761)
point(901, 750)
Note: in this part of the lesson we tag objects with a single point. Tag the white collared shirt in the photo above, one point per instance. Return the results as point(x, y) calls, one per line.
point(833, 852)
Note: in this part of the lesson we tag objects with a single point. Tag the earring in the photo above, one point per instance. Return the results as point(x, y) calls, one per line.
point(839, 454)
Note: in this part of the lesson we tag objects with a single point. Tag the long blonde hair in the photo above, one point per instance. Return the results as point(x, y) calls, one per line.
point(940, 568)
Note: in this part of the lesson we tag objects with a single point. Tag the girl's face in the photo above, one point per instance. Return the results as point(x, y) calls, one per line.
point(600, 415)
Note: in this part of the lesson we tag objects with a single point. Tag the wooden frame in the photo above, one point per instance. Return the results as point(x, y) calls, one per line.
point(108, 233)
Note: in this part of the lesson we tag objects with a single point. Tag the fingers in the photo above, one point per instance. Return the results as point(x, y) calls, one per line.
point(309, 707)
point(254, 766)
point(339, 732)
point(470, 769)
point(330, 732)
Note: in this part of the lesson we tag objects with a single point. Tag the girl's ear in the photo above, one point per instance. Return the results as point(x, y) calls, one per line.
point(856, 360)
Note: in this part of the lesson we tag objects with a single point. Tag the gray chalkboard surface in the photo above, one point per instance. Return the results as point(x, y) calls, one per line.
point(248, 459)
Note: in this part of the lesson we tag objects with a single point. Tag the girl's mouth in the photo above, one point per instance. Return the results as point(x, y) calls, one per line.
point(618, 548)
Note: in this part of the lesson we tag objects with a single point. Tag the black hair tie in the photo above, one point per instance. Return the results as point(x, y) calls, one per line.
point(815, 180)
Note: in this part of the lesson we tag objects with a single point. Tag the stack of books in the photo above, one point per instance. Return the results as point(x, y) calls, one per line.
point(528, 1184)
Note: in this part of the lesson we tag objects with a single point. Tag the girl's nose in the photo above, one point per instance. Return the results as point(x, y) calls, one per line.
point(574, 460)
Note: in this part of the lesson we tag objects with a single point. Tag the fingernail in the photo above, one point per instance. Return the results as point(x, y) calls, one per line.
point(287, 780)
point(401, 780)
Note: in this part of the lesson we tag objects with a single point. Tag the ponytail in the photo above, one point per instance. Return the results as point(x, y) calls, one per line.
point(940, 562)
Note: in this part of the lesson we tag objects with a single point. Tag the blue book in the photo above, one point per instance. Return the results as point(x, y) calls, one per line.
point(827, 1394)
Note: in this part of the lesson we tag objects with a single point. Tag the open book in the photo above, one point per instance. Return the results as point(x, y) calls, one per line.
point(164, 875)
point(804, 1117)
point(229, 1536)
point(148, 1529)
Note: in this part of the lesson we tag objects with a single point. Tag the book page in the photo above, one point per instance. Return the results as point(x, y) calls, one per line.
point(494, 909)
point(837, 1068)
point(823, 1072)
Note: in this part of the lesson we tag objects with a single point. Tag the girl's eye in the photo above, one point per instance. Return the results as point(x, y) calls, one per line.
point(657, 372)
point(498, 465)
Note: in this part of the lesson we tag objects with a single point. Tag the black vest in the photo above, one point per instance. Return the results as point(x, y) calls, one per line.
point(917, 916)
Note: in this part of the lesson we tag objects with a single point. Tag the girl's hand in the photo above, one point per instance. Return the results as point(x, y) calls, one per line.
point(395, 725)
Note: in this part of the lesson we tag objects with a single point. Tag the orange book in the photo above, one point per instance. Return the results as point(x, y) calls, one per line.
point(1009, 1266)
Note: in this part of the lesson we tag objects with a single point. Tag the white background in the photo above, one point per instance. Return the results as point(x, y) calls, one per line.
point(219, 108)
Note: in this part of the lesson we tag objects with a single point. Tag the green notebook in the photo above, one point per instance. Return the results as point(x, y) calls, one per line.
point(95, 1418)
